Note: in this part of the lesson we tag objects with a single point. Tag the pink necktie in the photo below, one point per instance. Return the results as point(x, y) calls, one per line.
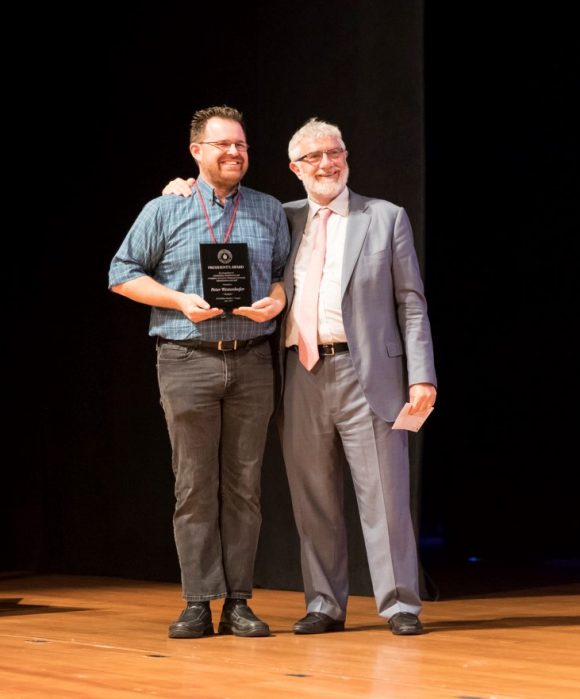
point(308, 312)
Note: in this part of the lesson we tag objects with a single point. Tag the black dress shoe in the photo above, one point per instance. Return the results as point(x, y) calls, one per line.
point(405, 624)
point(238, 619)
point(194, 622)
point(317, 622)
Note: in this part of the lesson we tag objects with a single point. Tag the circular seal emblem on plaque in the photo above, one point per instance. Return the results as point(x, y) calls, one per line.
point(225, 256)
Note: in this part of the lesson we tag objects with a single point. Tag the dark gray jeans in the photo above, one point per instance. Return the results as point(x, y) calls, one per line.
point(217, 406)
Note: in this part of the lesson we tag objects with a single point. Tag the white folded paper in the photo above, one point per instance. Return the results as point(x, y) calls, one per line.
point(412, 422)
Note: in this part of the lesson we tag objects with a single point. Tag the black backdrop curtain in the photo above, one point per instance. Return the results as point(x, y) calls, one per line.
point(460, 119)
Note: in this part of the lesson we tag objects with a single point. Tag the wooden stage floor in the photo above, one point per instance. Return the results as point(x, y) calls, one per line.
point(106, 637)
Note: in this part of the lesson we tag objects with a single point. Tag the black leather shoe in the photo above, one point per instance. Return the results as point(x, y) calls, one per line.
point(405, 624)
point(317, 622)
point(238, 619)
point(194, 622)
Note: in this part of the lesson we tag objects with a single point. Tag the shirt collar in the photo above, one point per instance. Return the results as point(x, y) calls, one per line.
point(209, 191)
point(339, 205)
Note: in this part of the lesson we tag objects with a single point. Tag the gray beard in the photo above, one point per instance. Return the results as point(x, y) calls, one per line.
point(328, 189)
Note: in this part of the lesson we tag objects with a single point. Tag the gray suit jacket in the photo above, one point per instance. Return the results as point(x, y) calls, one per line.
point(384, 309)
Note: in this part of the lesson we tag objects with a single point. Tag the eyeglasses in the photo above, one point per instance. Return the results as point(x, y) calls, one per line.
point(225, 146)
point(316, 156)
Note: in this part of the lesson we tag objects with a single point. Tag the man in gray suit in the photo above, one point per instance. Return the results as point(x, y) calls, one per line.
point(375, 353)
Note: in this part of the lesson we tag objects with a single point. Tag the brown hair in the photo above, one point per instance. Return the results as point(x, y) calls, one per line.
point(202, 116)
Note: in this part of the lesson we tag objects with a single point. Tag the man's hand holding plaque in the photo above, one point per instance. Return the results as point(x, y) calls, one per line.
point(197, 309)
point(262, 310)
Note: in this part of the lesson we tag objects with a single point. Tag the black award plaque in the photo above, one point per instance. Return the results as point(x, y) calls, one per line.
point(225, 271)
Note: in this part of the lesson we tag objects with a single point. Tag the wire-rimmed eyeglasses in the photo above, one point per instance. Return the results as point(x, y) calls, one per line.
point(225, 146)
point(316, 156)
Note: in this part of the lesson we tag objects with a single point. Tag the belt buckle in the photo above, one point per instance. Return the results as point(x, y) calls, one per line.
point(327, 350)
point(227, 349)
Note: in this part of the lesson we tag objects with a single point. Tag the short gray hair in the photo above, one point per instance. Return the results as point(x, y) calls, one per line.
point(313, 128)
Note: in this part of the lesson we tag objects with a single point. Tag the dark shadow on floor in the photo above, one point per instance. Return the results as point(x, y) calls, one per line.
point(515, 622)
point(12, 607)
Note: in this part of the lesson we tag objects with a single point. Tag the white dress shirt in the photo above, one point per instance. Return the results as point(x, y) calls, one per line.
point(330, 326)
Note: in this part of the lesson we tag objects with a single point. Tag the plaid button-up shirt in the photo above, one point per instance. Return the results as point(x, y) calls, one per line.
point(163, 243)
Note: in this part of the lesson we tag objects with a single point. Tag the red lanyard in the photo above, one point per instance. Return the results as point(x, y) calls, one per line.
point(207, 217)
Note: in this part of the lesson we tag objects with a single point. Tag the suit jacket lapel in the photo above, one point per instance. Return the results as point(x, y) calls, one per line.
point(356, 232)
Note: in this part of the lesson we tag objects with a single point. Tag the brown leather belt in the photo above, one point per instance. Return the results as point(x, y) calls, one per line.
point(219, 345)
